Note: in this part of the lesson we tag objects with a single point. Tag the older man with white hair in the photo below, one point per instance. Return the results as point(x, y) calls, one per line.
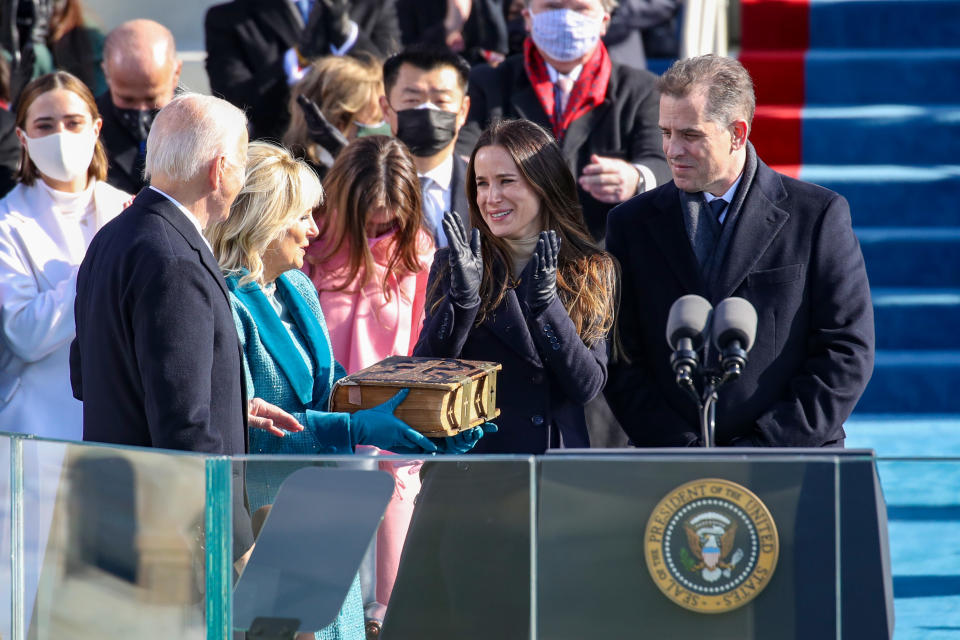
point(156, 360)
point(142, 72)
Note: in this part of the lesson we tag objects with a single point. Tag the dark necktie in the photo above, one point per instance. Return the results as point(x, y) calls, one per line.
point(717, 207)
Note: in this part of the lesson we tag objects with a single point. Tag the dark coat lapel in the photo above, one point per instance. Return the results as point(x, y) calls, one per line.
point(158, 204)
point(275, 337)
point(508, 323)
point(759, 222)
point(524, 99)
point(280, 16)
point(665, 225)
point(580, 129)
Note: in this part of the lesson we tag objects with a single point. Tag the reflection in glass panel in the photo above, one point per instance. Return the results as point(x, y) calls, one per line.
point(6, 593)
point(454, 546)
point(113, 541)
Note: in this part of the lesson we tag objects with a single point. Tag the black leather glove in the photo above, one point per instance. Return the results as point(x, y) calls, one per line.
point(466, 262)
point(39, 16)
point(319, 128)
point(543, 286)
point(328, 25)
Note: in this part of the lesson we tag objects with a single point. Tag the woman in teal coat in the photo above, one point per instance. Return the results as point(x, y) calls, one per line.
point(286, 349)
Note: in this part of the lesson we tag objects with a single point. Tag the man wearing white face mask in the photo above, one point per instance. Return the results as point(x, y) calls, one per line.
point(604, 115)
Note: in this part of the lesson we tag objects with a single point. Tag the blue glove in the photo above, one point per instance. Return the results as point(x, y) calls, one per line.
point(379, 427)
point(465, 440)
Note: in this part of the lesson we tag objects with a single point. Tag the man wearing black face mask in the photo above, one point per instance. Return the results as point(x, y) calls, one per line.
point(426, 104)
point(142, 72)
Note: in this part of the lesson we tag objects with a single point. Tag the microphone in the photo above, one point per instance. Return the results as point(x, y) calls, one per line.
point(686, 329)
point(734, 329)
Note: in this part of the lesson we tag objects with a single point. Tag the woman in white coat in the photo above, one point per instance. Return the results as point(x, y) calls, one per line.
point(46, 224)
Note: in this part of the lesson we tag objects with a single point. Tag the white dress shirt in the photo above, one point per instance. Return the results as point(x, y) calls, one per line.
point(437, 198)
point(727, 195)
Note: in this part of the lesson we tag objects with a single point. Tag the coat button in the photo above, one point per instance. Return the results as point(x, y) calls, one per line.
point(537, 420)
point(537, 378)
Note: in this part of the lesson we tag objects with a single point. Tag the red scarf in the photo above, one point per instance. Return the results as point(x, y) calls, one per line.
point(588, 91)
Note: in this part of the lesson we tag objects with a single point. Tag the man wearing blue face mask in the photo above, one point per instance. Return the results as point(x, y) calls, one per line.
point(142, 72)
point(426, 104)
point(604, 115)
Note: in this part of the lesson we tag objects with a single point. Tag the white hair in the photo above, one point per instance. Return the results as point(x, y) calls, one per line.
point(189, 133)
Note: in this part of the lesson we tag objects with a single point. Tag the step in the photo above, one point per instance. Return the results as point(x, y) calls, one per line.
point(912, 256)
point(907, 435)
point(884, 23)
point(890, 195)
point(913, 382)
point(880, 134)
point(882, 76)
point(916, 319)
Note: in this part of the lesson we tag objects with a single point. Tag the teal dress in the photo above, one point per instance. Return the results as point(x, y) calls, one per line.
point(289, 363)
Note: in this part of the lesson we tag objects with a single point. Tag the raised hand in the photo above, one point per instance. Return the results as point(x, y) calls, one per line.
point(466, 262)
point(379, 427)
point(543, 287)
point(319, 128)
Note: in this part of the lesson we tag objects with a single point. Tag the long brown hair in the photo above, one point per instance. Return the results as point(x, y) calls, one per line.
point(28, 173)
point(586, 275)
point(370, 172)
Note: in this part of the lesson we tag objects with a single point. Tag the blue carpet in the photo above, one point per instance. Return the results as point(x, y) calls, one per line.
point(849, 134)
point(884, 23)
point(885, 195)
point(923, 507)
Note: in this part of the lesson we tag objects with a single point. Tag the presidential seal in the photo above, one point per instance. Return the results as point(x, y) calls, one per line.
point(711, 545)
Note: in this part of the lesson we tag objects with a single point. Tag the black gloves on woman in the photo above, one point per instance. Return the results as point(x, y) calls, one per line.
point(543, 286)
point(466, 262)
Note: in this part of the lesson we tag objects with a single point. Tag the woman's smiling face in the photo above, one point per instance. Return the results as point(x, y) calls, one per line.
point(507, 202)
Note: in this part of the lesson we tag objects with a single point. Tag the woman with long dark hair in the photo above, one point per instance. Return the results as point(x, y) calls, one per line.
point(530, 289)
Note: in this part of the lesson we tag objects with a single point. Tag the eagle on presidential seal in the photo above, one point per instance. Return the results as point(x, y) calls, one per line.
point(711, 537)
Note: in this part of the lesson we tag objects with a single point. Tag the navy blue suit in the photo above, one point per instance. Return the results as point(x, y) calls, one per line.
point(548, 372)
point(794, 256)
point(156, 360)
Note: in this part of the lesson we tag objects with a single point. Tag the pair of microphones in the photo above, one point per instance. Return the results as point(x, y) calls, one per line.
point(732, 327)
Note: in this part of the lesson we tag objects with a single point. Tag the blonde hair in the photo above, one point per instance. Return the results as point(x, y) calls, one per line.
point(342, 87)
point(276, 190)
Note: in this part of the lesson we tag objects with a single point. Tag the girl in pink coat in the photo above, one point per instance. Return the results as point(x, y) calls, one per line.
point(370, 265)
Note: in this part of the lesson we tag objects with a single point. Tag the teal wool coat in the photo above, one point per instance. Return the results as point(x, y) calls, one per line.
point(296, 373)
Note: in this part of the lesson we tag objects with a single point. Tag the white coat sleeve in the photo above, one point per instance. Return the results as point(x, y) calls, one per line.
point(35, 323)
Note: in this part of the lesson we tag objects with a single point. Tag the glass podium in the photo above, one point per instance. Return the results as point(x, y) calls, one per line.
point(103, 542)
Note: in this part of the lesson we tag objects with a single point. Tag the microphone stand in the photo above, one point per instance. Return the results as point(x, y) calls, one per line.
point(711, 381)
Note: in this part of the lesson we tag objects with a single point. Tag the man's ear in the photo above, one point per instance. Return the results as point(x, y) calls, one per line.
point(738, 134)
point(389, 114)
point(464, 111)
point(176, 73)
point(215, 172)
point(527, 19)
